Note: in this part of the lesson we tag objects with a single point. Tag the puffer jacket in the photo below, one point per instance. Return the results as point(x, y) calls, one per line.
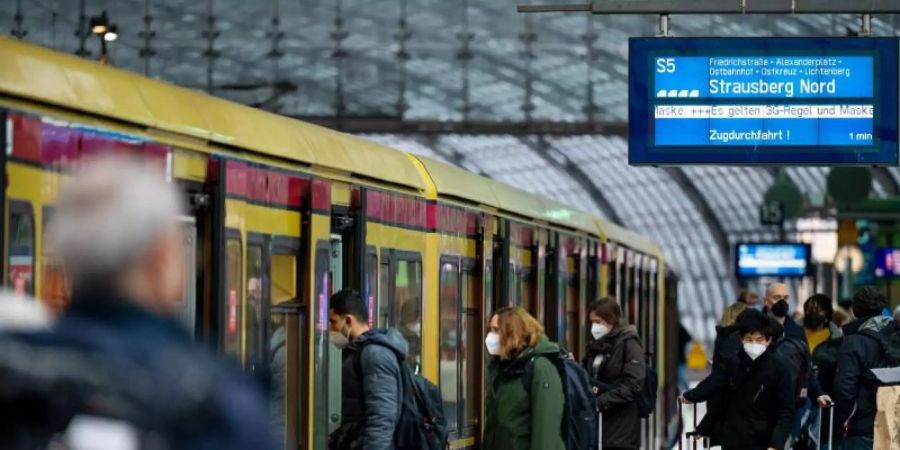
point(520, 419)
point(617, 367)
point(758, 402)
point(854, 390)
point(372, 390)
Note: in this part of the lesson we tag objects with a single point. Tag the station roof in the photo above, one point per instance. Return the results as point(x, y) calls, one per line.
point(321, 56)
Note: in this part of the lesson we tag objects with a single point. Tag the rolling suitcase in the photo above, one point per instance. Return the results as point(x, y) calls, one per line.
point(830, 441)
point(692, 435)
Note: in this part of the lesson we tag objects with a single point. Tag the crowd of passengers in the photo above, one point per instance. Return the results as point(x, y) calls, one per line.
point(116, 370)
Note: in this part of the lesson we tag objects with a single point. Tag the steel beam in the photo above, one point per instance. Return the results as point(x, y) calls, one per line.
point(720, 236)
point(542, 148)
point(723, 7)
point(882, 176)
point(397, 125)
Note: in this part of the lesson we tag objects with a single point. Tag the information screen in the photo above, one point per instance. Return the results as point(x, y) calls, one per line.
point(820, 101)
point(772, 259)
point(887, 263)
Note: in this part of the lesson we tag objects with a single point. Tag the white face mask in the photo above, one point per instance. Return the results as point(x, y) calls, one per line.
point(492, 342)
point(753, 349)
point(598, 330)
point(416, 328)
point(338, 339)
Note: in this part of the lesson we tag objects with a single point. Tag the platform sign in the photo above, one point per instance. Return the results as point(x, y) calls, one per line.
point(776, 101)
point(775, 259)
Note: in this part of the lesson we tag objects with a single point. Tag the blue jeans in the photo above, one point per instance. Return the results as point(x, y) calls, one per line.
point(800, 417)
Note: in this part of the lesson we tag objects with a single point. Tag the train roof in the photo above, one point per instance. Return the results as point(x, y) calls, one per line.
point(58, 79)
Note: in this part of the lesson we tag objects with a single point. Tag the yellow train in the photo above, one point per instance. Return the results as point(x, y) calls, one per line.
point(283, 213)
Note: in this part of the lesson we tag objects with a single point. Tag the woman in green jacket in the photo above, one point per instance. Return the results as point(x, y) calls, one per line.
point(520, 417)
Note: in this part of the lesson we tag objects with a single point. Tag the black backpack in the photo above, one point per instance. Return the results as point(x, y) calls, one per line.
point(646, 398)
point(794, 352)
point(889, 341)
point(579, 427)
point(422, 425)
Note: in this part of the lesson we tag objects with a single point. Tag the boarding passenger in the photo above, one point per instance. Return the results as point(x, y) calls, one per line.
point(411, 330)
point(854, 387)
point(757, 390)
point(615, 361)
point(118, 362)
point(371, 384)
point(518, 416)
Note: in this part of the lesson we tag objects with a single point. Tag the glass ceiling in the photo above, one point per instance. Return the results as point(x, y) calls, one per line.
point(474, 60)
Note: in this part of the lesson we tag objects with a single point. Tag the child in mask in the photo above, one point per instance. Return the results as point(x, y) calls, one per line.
point(756, 388)
point(615, 361)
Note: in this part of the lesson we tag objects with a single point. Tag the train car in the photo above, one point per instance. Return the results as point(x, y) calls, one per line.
point(283, 213)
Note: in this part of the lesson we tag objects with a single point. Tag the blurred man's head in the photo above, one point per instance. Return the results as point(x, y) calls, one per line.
point(818, 312)
point(868, 301)
point(116, 230)
point(748, 298)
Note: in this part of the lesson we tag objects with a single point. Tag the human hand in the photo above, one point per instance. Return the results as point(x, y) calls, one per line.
point(824, 401)
point(684, 400)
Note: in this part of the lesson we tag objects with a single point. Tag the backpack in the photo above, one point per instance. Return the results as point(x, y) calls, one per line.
point(888, 339)
point(646, 398)
point(421, 425)
point(579, 427)
point(794, 352)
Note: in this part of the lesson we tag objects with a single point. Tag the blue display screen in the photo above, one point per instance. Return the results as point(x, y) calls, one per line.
point(772, 259)
point(887, 263)
point(820, 101)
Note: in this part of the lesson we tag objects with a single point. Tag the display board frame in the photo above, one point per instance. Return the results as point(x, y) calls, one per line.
point(642, 101)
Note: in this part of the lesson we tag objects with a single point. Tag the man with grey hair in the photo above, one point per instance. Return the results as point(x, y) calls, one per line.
point(776, 305)
point(116, 230)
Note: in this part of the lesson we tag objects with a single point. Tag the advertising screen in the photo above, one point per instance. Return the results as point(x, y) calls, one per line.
point(811, 101)
point(887, 262)
point(780, 259)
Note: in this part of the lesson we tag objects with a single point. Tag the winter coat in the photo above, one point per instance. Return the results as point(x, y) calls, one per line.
point(520, 419)
point(617, 367)
point(854, 389)
point(824, 362)
point(759, 402)
point(795, 331)
point(151, 374)
point(728, 346)
point(372, 391)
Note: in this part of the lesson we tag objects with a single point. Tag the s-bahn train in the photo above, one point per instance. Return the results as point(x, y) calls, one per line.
point(284, 213)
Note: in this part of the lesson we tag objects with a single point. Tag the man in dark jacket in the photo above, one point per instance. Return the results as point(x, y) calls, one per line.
point(372, 383)
point(854, 387)
point(756, 386)
point(118, 352)
point(776, 305)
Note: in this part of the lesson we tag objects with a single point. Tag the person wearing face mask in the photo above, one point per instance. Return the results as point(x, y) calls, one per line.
point(824, 339)
point(755, 389)
point(615, 361)
point(519, 417)
point(371, 379)
point(776, 305)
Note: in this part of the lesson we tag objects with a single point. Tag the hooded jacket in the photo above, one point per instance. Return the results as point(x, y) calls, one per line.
point(371, 390)
point(616, 365)
point(727, 348)
point(854, 390)
point(758, 406)
point(517, 419)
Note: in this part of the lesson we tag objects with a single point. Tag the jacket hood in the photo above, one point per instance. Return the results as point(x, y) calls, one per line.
point(875, 324)
point(386, 337)
point(545, 346)
point(724, 331)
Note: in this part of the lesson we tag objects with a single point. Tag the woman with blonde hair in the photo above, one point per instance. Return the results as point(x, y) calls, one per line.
point(520, 417)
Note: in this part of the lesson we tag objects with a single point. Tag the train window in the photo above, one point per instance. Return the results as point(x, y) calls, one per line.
point(20, 257)
point(384, 296)
point(470, 348)
point(408, 301)
point(371, 286)
point(284, 278)
point(325, 384)
point(232, 336)
point(449, 366)
point(573, 325)
point(526, 291)
point(256, 287)
point(54, 290)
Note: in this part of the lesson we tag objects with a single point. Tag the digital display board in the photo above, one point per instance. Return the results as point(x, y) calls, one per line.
point(792, 101)
point(779, 259)
point(887, 263)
